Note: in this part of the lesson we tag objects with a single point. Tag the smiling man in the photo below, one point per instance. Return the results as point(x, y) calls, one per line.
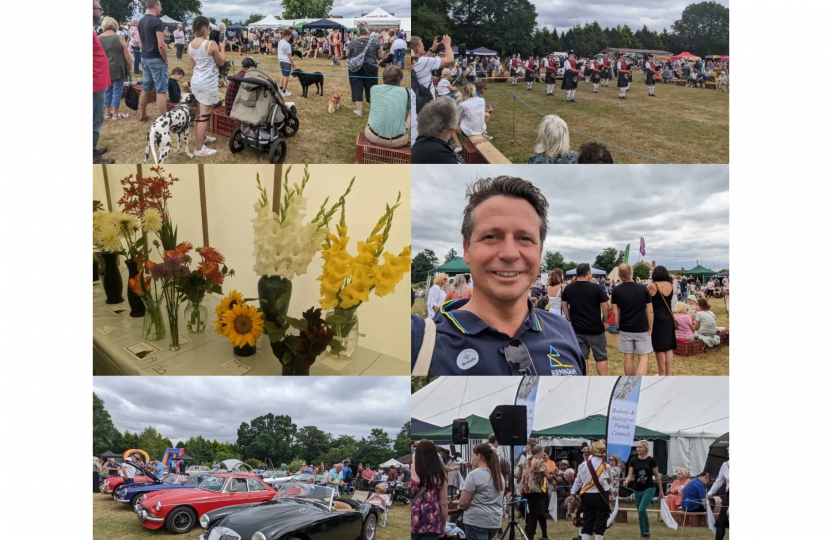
point(498, 331)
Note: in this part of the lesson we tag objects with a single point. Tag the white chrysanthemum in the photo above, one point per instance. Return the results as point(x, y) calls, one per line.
point(110, 239)
point(127, 222)
point(152, 220)
point(98, 219)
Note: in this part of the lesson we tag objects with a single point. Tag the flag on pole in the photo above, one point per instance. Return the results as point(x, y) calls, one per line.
point(642, 246)
point(622, 421)
point(627, 249)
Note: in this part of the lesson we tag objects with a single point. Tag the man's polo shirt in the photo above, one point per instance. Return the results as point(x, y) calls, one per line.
point(466, 345)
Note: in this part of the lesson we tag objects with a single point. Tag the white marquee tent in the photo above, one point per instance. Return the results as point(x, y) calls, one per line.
point(269, 22)
point(391, 463)
point(379, 17)
point(693, 411)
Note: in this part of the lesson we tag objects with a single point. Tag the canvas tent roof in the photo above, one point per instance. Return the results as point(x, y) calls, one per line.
point(268, 22)
point(322, 23)
point(391, 463)
point(109, 454)
point(480, 428)
point(168, 21)
point(406, 24)
point(379, 17)
point(482, 51)
point(700, 271)
point(594, 428)
point(693, 411)
point(455, 266)
point(685, 54)
point(595, 271)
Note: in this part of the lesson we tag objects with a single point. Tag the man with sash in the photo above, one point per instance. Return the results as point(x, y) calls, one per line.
point(549, 64)
point(593, 484)
point(605, 76)
point(571, 78)
point(623, 76)
point(651, 72)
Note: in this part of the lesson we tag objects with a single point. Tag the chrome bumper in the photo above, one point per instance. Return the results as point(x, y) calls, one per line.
point(144, 515)
point(120, 500)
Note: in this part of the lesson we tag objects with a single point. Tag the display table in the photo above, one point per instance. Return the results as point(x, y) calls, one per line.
point(118, 349)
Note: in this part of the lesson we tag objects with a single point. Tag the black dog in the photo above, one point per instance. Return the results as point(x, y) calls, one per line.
point(298, 53)
point(307, 79)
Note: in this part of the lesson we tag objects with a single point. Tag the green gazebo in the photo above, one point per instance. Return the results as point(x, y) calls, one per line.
point(700, 271)
point(480, 428)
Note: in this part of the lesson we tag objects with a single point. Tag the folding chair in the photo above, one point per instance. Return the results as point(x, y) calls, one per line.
point(361, 496)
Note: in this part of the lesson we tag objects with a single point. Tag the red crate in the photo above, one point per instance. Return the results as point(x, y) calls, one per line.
point(222, 124)
point(689, 348)
point(470, 153)
point(724, 338)
point(366, 152)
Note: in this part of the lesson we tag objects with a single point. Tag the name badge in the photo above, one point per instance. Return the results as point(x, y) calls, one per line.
point(467, 359)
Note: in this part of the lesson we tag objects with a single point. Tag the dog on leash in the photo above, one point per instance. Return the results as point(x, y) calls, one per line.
point(334, 102)
point(177, 120)
point(223, 74)
point(308, 79)
point(335, 60)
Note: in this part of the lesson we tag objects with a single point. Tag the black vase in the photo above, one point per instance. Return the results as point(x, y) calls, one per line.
point(95, 276)
point(113, 285)
point(136, 305)
point(244, 351)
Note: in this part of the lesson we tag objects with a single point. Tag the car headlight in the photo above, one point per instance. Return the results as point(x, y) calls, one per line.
point(204, 521)
point(158, 506)
point(258, 536)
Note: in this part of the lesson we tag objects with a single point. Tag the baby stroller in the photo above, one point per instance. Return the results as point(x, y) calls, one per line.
point(265, 118)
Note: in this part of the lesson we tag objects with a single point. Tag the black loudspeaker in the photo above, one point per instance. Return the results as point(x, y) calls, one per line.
point(460, 431)
point(462, 49)
point(510, 424)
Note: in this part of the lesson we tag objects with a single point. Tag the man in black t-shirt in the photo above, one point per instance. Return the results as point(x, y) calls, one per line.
point(633, 312)
point(585, 305)
point(684, 289)
point(153, 59)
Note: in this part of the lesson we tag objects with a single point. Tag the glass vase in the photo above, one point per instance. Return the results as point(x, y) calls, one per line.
point(295, 367)
point(346, 331)
point(153, 329)
point(136, 305)
point(195, 315)
point(270, 289)
point(113, 284)
point(173, 321)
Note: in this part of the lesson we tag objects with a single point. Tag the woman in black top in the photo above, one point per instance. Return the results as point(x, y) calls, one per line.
point(362, 80)
point(435, 126)
point(642, 472)
point(663, 338)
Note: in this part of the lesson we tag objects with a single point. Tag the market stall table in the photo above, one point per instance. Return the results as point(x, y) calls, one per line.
point(119, 349)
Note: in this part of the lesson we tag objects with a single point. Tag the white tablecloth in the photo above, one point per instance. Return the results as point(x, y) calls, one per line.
point(205, 353)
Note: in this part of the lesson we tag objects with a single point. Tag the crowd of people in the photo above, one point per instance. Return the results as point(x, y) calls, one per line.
point(583, 489)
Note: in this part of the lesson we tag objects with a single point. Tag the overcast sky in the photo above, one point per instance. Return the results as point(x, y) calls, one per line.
point(237, 10)
point(214, 407)
point(682, 211)
point(564, 14)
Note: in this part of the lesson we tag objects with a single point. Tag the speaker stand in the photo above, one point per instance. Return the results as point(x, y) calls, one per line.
point(513, 525)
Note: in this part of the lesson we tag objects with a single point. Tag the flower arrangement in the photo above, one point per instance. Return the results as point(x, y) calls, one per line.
point(297, 351)
point(284, 245)
point(241, 323)
point(348, 280)
point(143, 193)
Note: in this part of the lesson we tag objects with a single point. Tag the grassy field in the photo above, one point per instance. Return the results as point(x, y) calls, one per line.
point(322, 138)
point(680, 125)
point(711, 363)
point(115, 521)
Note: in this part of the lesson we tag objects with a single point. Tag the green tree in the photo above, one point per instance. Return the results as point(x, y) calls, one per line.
point(130, 440)
point(120, 10)
point(501, 25)
point(402, 442)
point(253, 17)
point(422, 263)
point(376, 449)
point(306, 9)
point(418, 382)
point(226, 21)
point(104, 434)
point(152, 442)
point(451, 254)
point(268, 436)
point(430, 18)
point(704, 28)
point(606, 260)
point(641, 271)
point(180, 10)
point(200, 449)
point(552, 260)
point(311, 442)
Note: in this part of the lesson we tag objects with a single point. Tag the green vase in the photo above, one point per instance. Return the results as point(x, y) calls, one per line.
point(270, 289)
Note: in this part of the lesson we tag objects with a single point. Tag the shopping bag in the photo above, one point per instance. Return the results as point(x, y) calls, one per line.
point(665, 513)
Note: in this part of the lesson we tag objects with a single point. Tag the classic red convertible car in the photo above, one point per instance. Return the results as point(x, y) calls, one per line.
point(109, 483)
point(179, 510)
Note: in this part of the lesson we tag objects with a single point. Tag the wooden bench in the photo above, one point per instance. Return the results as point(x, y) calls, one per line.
point(489, 152)
point(366, 152)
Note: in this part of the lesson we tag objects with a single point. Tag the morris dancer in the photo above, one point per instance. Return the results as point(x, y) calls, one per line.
point(722, 522)
point(605, 76)
point(651, 71)
point(593, 484)
point(571, 78)
point(550, 73)
point(530, 72)
point(623, 76)
point(514, 68)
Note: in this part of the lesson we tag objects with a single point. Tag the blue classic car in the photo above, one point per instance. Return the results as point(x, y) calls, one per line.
point(131, 493)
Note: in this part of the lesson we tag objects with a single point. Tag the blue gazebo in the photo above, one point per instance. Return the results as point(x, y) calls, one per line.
point(322, 24)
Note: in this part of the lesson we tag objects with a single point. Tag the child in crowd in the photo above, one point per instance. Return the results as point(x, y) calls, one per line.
point(174, 93)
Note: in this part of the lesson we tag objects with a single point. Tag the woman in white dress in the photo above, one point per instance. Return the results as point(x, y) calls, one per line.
point(206, 57)
point(556, 284)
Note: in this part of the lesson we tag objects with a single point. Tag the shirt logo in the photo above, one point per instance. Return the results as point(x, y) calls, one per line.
point(555, 364)
point(467, 359)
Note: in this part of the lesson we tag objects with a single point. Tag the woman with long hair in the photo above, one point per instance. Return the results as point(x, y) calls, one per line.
point(482, 495)
point(460, 289)
point(706, 324)
point(430, 509)
point(663, 338)
point(556, 284)
point(205, 57)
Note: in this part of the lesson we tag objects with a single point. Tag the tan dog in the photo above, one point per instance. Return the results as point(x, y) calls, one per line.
point(334, 102)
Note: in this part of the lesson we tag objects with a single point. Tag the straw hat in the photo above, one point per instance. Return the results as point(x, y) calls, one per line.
point(598, 448)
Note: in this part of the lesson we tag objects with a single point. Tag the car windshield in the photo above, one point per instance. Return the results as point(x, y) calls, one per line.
point(176, 479)
point(212, 483)
point(317, 494)
point(302, 477)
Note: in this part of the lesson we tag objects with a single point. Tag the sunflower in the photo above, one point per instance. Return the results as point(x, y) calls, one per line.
point(234, 298)
point(244, 325)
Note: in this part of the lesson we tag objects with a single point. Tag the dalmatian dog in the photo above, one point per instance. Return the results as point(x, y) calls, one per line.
point(177, 120)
